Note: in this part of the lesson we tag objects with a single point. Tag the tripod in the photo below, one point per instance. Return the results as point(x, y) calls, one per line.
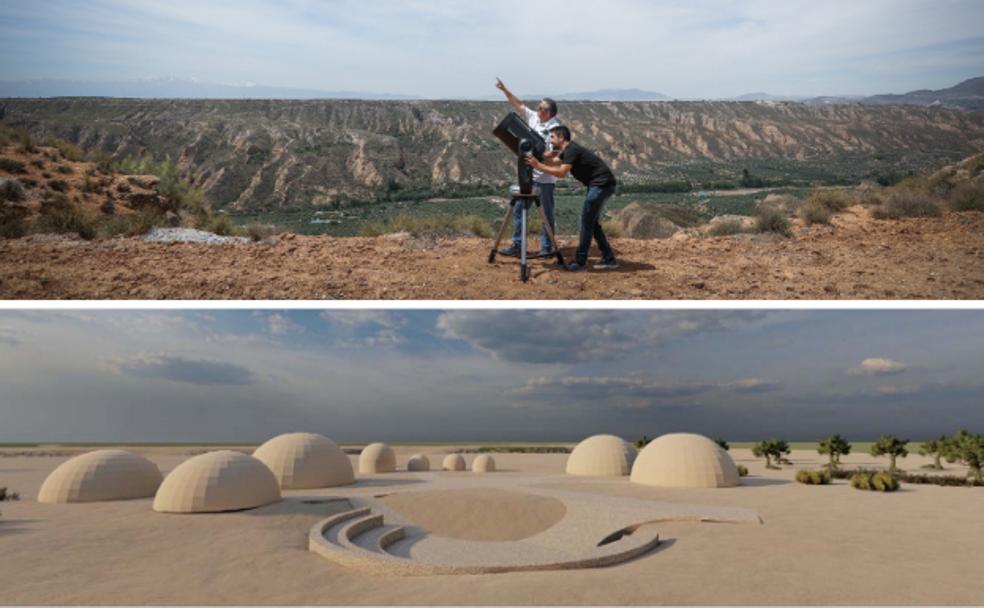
point(517, 197)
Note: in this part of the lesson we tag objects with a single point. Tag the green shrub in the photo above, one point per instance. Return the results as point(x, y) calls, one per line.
point(60, 215)
point(108, 207)
point(64, 169)
point(58, 185)
point(123, 188)
point(130, 224)
point(907, 204)
point(69, 151)
point(28, 182)
point(814, 212)
point(726, 228)
point(11, 165)
point(742, 470)
point(882, 481)
point(220, 224)
point(37, 162)
point(12, 225)
point(772, 220)
point(11, 190)
point(967, 197)
point(815, 478)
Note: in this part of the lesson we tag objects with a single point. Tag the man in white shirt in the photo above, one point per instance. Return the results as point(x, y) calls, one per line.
point(541, 121)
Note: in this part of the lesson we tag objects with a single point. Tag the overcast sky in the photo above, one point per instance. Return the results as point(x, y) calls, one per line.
point(455, 48)
point(493, 375)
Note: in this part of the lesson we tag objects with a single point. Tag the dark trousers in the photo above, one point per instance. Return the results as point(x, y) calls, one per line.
point(591, 224)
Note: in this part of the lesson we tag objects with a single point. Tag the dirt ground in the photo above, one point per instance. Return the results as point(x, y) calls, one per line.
point(855, 258)
point(816, 545)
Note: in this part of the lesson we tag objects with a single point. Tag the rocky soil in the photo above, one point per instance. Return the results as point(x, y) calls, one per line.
point(856, 257)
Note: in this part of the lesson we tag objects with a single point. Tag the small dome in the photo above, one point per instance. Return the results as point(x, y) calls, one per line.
point(453, 462)
point(601, 455)
point(418, 462)
point(101, 475)
point(306, 460)
point(684, 460)
point(217, 481)
point(483, 464)
point(377, 458)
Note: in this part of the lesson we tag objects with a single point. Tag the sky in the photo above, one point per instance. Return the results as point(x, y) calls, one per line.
point(487, 375)
point(456, 48)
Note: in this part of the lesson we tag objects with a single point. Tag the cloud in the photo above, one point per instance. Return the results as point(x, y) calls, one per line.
point(8, 337)
point(552, 336)
point(878, 366)
point(280, 325)
point(373, 327)
point(605, 391)
point(753, 386)
point(181, 369)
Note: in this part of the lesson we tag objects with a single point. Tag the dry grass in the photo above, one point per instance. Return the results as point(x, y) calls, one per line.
point(907, 204)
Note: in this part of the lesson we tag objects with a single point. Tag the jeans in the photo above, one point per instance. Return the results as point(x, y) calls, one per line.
point(547, 202)
point(591, 225)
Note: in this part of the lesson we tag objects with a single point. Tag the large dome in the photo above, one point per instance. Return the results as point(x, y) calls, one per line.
point(483, 464)
point(305, 460)
point(453, 462)
point(684, 460)
point(217, 481)
point(101, 475)
point(601, 455)
point(377, 458)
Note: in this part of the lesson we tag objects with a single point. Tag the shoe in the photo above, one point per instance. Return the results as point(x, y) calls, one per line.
point(575, 267)
point(546, 253)
point(606, 265)
point(513, 250)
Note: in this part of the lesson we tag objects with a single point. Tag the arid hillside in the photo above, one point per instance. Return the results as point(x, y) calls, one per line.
point(261, 154)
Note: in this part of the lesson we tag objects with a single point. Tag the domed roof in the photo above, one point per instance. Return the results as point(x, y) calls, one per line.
point(684, 460)
point(217, 481)
point(418, 462)
point(377, 458)
point(305, 460)
point(101, 475)
point(483, 463)
point(601, 455)
point(453, 462)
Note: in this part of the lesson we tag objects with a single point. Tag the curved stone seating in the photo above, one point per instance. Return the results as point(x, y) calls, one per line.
point(360, 539)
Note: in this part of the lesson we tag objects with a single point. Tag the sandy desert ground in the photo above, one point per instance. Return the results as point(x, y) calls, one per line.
point(855, 258)
point(816, 545)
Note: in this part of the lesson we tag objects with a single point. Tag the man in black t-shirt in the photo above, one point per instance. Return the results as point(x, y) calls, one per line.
point(588, 169)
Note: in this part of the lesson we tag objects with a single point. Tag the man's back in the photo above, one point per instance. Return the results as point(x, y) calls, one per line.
point(586, 167)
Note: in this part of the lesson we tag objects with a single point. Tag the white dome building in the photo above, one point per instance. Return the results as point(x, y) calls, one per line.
point(453, 462)
point(483, 464)
point(684, 460)
point(217, 481)
point(377, 458)
point(101, 475)
point(305, 460)
point(601, 456)
point(418, 462)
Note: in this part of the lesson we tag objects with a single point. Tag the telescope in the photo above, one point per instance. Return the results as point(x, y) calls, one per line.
point(523, 141)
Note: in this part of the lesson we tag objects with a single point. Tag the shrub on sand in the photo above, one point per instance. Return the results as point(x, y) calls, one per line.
point(814, 478)
point(968, 197)
point(772, 220)
point(907, 204)
point(814, 212)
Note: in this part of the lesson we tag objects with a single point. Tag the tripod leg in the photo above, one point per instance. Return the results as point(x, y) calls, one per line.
point(523, 270)
point(550, 234)
point(502, 230)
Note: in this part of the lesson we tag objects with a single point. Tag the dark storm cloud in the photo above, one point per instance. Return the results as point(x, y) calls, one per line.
point(552, 336)
point(180, 369)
